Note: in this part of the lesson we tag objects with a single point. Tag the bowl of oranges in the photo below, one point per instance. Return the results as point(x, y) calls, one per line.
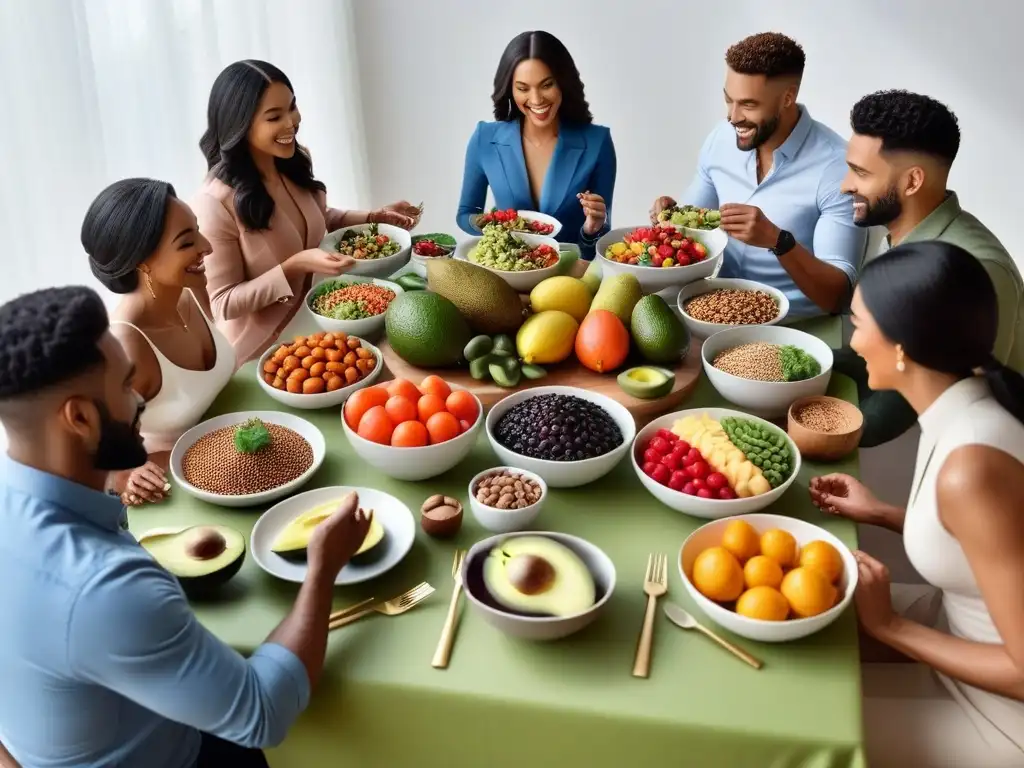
point(409, 431)
point(768, 578)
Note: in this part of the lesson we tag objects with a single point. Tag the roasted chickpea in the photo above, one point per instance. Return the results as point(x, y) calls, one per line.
point(335, 382)
point(271, 367)
point(350, 358)
point(334, 355)
point(291, 362)
point(301, 351)
point(318, 368)
point(299, 374)
point(351, 375)
point(335, 367)
point(318, 353)
point(307, 362)
point(314, 385)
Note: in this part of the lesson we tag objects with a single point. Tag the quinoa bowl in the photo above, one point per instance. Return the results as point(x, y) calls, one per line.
point(351, 305)
point(720, 303)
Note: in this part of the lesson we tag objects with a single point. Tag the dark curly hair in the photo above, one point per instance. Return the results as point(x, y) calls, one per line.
point(234, 98)
point(547, 48)
point(49, 337)
point(771, 54)
point(909, 122)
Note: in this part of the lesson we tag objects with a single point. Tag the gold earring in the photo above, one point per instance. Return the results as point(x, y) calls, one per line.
point(900, 365)
point(149, 282)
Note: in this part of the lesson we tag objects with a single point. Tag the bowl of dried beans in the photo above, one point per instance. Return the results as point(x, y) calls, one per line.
point(352, 305)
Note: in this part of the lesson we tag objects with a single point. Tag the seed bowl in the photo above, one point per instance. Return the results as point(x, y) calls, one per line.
point(702, 328)
point(842, 421)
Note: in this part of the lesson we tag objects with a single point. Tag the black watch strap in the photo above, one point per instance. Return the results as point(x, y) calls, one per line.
point(784, 244)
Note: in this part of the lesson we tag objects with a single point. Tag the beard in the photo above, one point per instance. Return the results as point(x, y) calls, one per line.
point(880, 213)
point(762, 132)
point(120, 446)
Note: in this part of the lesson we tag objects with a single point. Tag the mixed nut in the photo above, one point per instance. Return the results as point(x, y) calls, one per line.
point(507, 490)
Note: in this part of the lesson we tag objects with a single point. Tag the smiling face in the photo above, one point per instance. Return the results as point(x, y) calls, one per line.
point(536, 93)
point(880, 355)
point(754, 106)
point(276, 122)
point(873, 182)
point(178, 260)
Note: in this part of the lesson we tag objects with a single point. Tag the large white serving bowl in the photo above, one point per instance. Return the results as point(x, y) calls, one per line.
point(702, 329)
point(312, 435)
point(365, 328)
point(695, 506)
point(374, 267)
point(766, 398)
point(394, 516)
point(416, 463)
point(324, 399)
point(524, 282)
point(654, 279)
point(710, 535)
point(563, 474)
point(537, 627)
point(531, 216)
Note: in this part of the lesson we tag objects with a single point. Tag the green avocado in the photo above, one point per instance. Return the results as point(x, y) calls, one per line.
point(426, 329)
point(410, 281)
point(659, 335)
point(504, 345)
point(479, 346)
point(538, 575)
point(292, 541)
point(646, 382)
point(201, 557)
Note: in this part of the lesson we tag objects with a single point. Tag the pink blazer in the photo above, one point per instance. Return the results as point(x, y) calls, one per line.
point(252, 299)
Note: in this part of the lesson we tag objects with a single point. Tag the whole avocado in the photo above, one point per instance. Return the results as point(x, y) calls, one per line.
point(426, 329)
point(659, 335)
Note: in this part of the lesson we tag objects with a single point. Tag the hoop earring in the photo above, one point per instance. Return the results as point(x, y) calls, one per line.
point(149, 282)
point(510, 112)
point(900, 365)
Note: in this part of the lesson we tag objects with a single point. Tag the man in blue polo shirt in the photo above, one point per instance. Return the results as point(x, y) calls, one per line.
point(775, 175)
point(102, 661)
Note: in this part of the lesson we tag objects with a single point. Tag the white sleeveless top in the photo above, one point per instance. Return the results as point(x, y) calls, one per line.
point(185, 395)
point(965, 414)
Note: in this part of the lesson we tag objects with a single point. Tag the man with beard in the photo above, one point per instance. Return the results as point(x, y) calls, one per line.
point(774, 173)
point(102, 661)
point(899, 159)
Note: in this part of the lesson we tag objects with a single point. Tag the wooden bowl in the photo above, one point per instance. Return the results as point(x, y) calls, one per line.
point(819, 445)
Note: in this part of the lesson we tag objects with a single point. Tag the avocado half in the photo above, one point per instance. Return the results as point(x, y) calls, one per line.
point(538, 575)
point(202, 557)
point(646, 382)
point(292, 541)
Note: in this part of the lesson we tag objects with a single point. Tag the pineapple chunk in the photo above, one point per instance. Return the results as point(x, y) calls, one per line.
point(710, 439)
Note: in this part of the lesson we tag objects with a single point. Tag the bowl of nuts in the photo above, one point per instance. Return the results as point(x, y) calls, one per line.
point(719, 303)
point(825, 428)
point(505, 499)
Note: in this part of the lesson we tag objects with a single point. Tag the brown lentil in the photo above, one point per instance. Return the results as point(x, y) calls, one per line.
point(213, 464)
point(822, 416)
point(507, 490)
point(758, 362)
point(733, 307)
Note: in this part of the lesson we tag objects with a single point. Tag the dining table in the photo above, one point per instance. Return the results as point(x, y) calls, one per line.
point(504, 702)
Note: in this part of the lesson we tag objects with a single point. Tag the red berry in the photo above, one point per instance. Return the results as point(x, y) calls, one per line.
point(652, 455)
point(698, 482)
point(671, 461)
point(704, 493)
point(680, 455)
point(682, 445)
point(659, 444)
point(716, 480)
point(667, 435)
point(726, 494)
point(677, 481)
point(692, 457)
point(697, 469)
point(660, 473)
point(689, 490)
point(649, 468)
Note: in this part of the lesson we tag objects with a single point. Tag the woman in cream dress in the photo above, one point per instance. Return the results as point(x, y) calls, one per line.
point(925, 319)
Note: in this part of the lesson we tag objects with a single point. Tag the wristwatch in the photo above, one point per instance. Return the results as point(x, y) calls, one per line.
point(784, 244)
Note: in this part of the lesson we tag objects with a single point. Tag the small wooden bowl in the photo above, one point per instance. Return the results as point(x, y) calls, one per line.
point(826, 446)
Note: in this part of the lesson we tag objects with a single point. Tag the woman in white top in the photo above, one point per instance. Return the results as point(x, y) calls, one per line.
point(925, 319)
point(144, 243)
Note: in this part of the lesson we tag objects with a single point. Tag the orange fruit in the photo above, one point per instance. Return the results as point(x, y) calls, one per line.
point(360, 402)
point(717, 575)
point(764, 603)
point(742, 540)
point(401, 408)
point(780, 546)
point(762, 571)
point(808, 592)
point(376, 426)
point(442, 426)
point(428, 405)
point(462, 405)
point(435, 385)
point(409, 434)
point(602, 342)
point(403, 388)
point(823, 557)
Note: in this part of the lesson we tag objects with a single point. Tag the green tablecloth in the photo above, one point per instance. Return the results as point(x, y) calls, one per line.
point(504, 703)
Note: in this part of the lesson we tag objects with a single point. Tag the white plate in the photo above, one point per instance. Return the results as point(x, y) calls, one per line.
point(396, 518)
point(531, 216)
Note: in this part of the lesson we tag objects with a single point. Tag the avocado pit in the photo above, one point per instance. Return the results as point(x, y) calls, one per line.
point(530, 574)
point(206, 544)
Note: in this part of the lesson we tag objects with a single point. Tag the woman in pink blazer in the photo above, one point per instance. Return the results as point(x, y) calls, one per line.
point(262, 209)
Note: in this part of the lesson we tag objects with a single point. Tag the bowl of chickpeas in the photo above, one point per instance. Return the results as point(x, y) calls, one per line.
point(318, 371)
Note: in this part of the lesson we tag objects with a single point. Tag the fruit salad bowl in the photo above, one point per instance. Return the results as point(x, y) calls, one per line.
point(525, 281)
point(373, 267)
point(690, 501)
point(653, 279)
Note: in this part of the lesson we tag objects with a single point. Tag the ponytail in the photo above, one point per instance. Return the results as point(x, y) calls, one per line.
point(1007, 387)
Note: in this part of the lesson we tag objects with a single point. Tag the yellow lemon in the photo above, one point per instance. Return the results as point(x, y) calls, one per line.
point(808, 592)
point(780, 546)
point(717, 575)
point(762, 571)
point(741, 539)
point(823, 557)
point(764, 603)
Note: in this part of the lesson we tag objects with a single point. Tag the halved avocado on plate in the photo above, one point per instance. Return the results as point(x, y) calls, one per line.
point(647, 382)
point(292, 541)
point(201, 557)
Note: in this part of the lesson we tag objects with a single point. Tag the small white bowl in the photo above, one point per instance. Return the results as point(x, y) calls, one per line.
point(563, 474)
point(710, 535)
point(702, 329)
point(766, 398)
point(506, 520)
point(524, 282)
point(374, 267)
point(654, 279)
point(312, 435)
point(419, 263)
point(538, 627)
point(533, 216)
point(695, 506)
point(365, 328)
point(324, 399)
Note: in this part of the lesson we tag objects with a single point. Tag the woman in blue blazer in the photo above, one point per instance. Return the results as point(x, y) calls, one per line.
point(543, 152)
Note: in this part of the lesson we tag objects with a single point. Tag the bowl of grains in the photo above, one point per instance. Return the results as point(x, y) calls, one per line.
point(766, 368)
point(352, 305)
point(720, 303)
point(248, 458)
point(505, 499)
point(825, 428)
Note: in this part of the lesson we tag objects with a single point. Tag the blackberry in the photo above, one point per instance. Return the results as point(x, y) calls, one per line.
point(558, 428)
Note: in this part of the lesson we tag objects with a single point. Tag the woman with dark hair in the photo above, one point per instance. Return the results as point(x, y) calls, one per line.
point(544, 152)
point(925, 320)
point(144, 244)
point(263, 209)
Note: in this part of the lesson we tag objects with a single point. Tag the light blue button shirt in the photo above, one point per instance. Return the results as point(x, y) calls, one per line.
point(102, 661)
point(799, 194)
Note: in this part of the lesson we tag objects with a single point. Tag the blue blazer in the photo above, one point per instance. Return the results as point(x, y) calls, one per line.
point(584, 159)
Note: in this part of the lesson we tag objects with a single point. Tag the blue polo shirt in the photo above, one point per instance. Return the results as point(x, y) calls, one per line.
point(102, 661)
point(799, 194)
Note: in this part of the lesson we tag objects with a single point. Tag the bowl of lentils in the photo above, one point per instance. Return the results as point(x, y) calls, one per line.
point(378, 249)
point(565, 435)
point(720, 303)
point(766, 368)
point(354, 306)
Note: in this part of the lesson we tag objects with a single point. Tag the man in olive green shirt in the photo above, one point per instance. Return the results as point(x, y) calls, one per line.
point(899, 157)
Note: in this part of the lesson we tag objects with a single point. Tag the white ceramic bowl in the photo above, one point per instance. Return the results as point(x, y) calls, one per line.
point(710, 535)
point(297, 424)
point(324, 399)
point(654, 279)
point(416, 463)
point(506, 520)
point(695, 506)
point(563, 474)
point(701, 329)
point(538, 627)
point(766, 398)
point(523, 282)
point(374, 267)
point(366, 328)
point(418, 264)
point(534, 216)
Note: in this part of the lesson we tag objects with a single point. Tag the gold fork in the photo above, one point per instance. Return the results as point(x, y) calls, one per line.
point(342, 612)
point(392, 607)
point(444, 645)
point(655, 585)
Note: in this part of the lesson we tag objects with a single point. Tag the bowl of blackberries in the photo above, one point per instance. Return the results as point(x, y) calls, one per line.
point(568, 436)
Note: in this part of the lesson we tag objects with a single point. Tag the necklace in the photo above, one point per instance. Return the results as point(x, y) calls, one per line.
point(541, 144)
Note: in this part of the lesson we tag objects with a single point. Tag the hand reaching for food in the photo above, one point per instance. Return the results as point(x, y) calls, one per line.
point(337, 538)
point(660, 205)
point(145, 484)
point(845, 496)
point(401, 214)
point(595, 209)
point(319, 262)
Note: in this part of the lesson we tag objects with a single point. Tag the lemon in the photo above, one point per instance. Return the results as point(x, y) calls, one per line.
point(762, 571)
point(780, 546)
point(823, 557)
point(808, 592)
point(764, 603)
point(741, 539)
point(547, 337)
point(717, 575)
point(563, 293)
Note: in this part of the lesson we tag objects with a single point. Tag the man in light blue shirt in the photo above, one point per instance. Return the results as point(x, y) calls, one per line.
point(775, 175)
point(102, 661)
